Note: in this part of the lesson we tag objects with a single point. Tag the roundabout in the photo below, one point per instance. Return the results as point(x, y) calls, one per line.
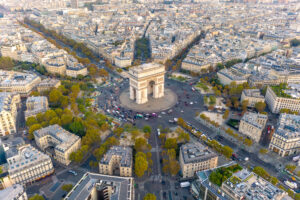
point(152, 105)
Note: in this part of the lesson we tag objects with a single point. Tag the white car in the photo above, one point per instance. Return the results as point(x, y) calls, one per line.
point(163, 113)
point(158, 131)
point(191, 103)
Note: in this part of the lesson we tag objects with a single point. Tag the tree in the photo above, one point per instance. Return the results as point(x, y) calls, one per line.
point(150, 196)
point(171, 143)
point(55, 96)
point(67, 187)
point(103, 72)
point(77, 127)
point(141, 164)
point(263, 151)
point(290, 168)
point(66, 119)
point(260, 106)
point(261, 172)
point(30, 121)
point(227, 151)
point(274, 180)
point(140, 144)
point(147, 129)
point(245, 104)
point(33, 128)
point(36, 197)
point(248, 142)
point(226, 114)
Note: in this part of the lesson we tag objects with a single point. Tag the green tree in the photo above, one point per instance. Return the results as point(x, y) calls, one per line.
point(140, 144)
point(67, 187)
point(171, 143)
point(227, 151)
point(261, 172)
point(274, 180)
point(245, 104)
point(33, 128)
point(141, 164)
point(55, 96)
point(263, 151)
point(248, 142)
point(226, 114)
point(66, 119)
point(36, 197)
point(260, 106)
point(150, 196)
point(290, 168)
point(30, 121)
point(77, 127)
point(147, 129)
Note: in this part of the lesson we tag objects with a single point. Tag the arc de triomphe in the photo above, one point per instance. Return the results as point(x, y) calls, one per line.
point(146, 79)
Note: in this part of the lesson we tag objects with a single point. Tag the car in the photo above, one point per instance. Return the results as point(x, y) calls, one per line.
point(182, 111)
point(191, 103)
point(163, 113)
point(171, 121)
point(158, 131)
point(73, 172)
point(146, 118)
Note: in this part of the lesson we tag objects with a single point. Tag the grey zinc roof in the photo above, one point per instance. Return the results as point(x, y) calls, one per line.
point(83, 188)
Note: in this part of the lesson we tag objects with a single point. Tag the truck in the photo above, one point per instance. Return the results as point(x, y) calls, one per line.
point(290, 184)
point(185, 184)
point(296, 158)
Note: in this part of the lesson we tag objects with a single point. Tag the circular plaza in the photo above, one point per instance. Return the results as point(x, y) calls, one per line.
point(152, 105)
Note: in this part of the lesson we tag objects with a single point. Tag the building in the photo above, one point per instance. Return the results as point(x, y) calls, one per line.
point(22, 83)
point(278, 98)
point(9, 103)
point(27, 164)
point(117, 161)
point(15, 192)
point(195, 157)
point(227, 76)
point(286, 138)
point(63, 142)
point(48, 84)
point(122, 62)
point(77, 70)
point(241, 185)
point(145, 80)
point(252, 125)
point(247, 185)
point(253, 96)
point(98, 186)
point(36, 105)
point(74, 3)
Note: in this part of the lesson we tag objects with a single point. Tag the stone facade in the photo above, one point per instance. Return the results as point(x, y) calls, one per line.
point(146, 79)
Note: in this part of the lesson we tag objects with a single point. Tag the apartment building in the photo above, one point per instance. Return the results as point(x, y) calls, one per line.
point(252, 125)
point(117, 161)
point(9, 104)
point(63, 141)
point(36, 105)
point(15, 192)
point(99, 186)
point(76, 70)
point(195, 157)
point(286, 138)
point(48, 84)
point(22, 83)
point(247, 185)
point(227, 76)
point(253, 96)
point(26, 164)
point(283, 98)
point(241, 185)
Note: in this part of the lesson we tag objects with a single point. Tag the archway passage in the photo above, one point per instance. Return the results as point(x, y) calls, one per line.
point(151, 87)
